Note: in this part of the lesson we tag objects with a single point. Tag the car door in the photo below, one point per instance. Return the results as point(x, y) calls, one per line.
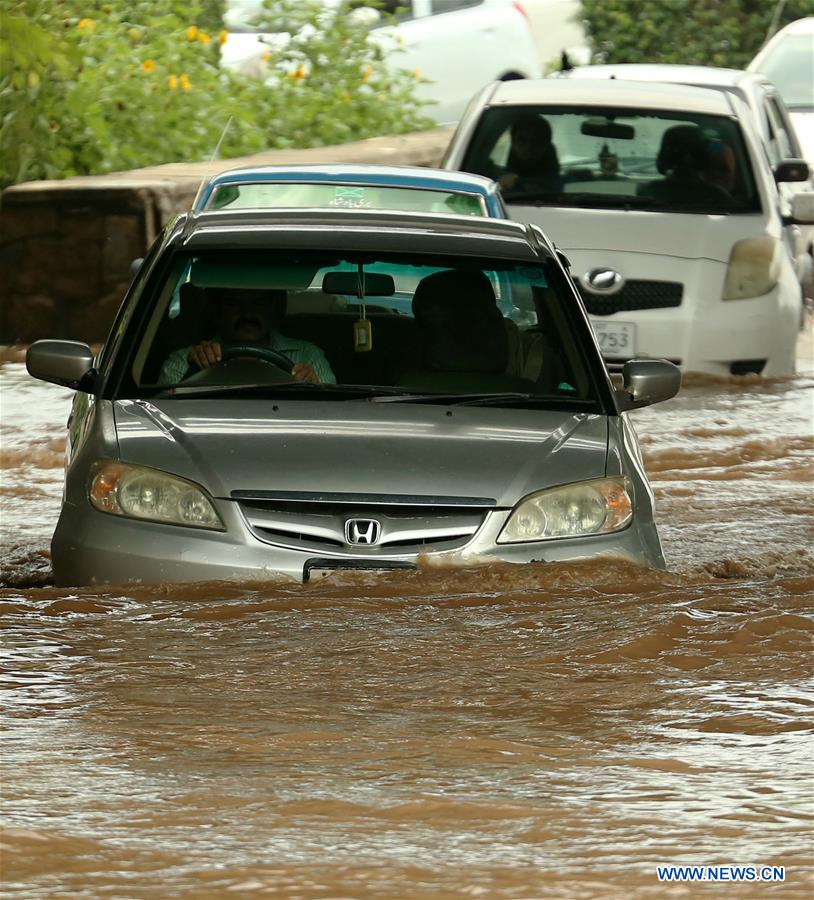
point(782, 144)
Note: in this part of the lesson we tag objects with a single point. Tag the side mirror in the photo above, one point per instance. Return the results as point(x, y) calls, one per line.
point(647, 381)
point(802, 210)
point(69, 363)
point(791, 170)
point(135, 266)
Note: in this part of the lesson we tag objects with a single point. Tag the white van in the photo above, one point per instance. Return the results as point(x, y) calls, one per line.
point(454, 46)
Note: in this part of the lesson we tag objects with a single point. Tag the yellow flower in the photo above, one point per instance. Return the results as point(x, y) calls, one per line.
point(298, 74)
point(148, 66)
point(86, 24)
point(265, 56)
point(185, 82)
point(172, 82)
point(204, 38)
point(192, 33)
point(367, 72)
point(417, 74)
point(134, 34)
point(346, 97)
point(223, 36)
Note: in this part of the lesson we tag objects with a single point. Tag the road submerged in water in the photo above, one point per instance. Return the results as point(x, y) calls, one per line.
point(501, 732)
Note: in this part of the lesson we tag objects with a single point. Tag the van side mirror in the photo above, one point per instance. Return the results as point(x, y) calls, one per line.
point(69, 363)
point(802, 210)
point(791, 170)
point(647, 381)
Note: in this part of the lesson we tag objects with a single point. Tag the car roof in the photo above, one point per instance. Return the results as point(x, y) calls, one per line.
point(698, 76)
point(362, 229)
point(798, 26)
point(596, 92)
point(399, 176)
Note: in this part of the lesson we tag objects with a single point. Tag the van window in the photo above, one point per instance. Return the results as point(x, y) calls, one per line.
point(615, 159)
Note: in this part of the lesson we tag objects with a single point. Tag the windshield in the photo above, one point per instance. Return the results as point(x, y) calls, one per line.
point(790, 65)
point(344, 196)
point(323, 322)
point(623, 159)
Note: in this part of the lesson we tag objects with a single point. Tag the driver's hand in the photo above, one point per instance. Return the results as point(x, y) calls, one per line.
point(304, 372)
point(205, 354)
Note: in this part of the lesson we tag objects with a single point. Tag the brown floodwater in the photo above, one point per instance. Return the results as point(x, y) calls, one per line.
point(508, 732)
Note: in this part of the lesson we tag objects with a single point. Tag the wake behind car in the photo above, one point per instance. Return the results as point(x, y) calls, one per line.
point(663, 200)
point(408, 188)
point(300, 392)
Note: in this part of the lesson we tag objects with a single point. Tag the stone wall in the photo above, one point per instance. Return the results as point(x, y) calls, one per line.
point(66, 246)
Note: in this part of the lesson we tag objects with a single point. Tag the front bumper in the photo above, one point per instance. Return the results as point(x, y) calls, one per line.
point(90, 547)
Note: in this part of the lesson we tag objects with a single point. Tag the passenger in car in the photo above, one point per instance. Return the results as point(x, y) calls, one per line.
point(249, 316)
point(683, 160)
point(532, 164)
point(719, 168)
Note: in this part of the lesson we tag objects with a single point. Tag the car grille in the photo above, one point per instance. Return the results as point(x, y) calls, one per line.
point(407, 525)
point(633, 295)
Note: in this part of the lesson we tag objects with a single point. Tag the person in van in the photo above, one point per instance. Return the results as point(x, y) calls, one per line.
point(532, 165)
point(249, 316)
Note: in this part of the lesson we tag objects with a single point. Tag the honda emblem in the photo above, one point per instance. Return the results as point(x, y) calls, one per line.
point(362, 531)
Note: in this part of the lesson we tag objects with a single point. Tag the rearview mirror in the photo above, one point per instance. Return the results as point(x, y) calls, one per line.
point(376, 284)
point(69, 363)
point(648, 381)
point(609, 130)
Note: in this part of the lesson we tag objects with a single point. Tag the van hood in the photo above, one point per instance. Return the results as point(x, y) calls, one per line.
point(359, 446)
point(676, 235)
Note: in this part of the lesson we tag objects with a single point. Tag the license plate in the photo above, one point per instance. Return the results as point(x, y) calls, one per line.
point(317, 569)
point(615, 338)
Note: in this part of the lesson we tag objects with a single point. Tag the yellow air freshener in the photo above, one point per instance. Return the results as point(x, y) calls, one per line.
point(362, 332)
point(362, 336)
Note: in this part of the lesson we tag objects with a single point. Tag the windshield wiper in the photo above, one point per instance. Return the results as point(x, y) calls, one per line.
point(298, 388)
point(484, 399)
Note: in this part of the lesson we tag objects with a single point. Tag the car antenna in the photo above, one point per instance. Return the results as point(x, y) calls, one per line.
point(212, 158)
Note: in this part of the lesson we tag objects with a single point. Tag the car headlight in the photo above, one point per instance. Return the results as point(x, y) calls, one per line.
point(754, 267)
point(587, 507)
point(141, 493)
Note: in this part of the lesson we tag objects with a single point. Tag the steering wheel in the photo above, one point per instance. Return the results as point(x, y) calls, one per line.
point(266, 354)
point(244, 364)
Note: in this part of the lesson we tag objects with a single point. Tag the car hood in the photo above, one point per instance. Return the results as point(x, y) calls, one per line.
point(362, 447)
point(676, 235)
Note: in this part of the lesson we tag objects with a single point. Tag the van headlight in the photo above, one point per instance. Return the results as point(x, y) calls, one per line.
point(141, 493)
point(587, 507)
point(754, 268)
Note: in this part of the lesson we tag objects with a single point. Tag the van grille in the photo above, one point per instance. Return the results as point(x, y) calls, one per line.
point(633, 295)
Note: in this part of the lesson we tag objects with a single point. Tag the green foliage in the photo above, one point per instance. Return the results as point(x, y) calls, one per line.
point(93, 86)
point(694, 32)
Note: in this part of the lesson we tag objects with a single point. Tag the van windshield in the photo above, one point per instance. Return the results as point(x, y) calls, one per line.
point(614, 158)
point(428, 325)
point(790, 65)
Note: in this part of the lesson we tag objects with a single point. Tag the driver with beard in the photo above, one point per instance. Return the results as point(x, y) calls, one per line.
point(247, 317)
